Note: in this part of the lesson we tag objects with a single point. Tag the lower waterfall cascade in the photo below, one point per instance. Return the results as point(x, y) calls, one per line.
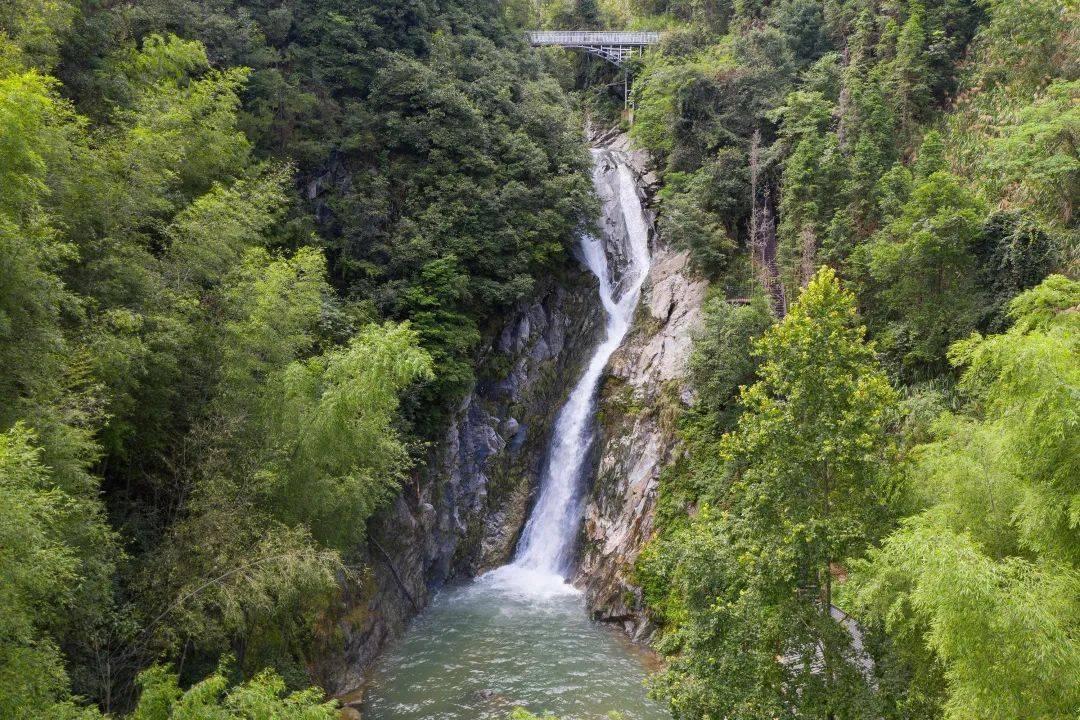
point(519, 635)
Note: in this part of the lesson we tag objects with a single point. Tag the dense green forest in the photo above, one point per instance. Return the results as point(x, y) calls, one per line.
point(876, 511)
point(247, 255)
point(250, 252)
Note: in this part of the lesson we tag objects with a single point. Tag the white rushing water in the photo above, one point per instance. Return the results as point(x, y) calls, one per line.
point(547, 541)
point(519, 635)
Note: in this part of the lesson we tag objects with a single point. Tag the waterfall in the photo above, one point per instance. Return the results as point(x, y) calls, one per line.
point(547, 542)
point(520, 635)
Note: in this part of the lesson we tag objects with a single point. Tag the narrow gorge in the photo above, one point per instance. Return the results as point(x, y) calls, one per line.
point(553, 472)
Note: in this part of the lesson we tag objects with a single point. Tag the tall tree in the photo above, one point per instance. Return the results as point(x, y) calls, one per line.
point(987, 576)
point(802, 491)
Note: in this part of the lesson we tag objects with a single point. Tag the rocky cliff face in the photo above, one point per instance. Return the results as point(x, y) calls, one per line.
point(636, 433)
point(463, 512)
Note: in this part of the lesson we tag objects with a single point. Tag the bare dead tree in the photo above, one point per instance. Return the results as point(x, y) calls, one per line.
point(843, 108)
point(763, 232)
point(808, 252)
point(756, 250)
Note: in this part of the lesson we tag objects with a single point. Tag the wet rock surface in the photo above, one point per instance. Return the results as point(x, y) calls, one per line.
point(463, 512)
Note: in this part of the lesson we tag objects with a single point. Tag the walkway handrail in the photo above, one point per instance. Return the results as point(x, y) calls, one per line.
point(588, 37)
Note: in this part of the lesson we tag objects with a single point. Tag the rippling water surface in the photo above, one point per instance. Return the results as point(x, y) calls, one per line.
point(482, 649)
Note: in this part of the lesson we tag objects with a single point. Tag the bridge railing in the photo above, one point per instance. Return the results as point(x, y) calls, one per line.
point(587, 37)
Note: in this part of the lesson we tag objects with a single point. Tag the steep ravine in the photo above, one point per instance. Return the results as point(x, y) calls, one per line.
point(463, 513)
point(520, 634)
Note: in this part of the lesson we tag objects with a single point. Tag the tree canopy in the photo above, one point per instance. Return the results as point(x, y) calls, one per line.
point(248, 259)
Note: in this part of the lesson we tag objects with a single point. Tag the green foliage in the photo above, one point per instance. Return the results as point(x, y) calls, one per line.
point(36, 570)
point(927, 151)
point(722, 361)
point(189, 371)
point(264, 696)
point(942, 268)
point(298, 451)
point(812, 177)
point(721, 364)
point(272, 307)
point(182, 355)
point(210, 236)
point(1017, 112)
point(31, 293)
point(31, 32)
point(1036, 162)
point(1016, 253)
point(424, 134)
point(523, 714)
point(668, 90)
point(800, 491)
point(695, 207)
point(331, 420)
point(497, 190)
point(1020, 45)
point(988, 574)
point(925, 263)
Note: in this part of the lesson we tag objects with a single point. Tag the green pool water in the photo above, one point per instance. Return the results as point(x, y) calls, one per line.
point(511, 638)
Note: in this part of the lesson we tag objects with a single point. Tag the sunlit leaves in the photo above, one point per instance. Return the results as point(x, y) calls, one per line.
point(746, 585)
point(1036, 161)
point(31, 292)
point(37, 572)
point(332, 418)
point(210, 236)
point(31, 32)
point(264, 697)
point(989, 571)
